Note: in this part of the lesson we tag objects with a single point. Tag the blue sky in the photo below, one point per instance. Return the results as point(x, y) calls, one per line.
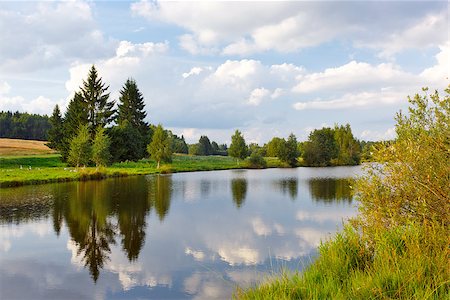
point(266, 68)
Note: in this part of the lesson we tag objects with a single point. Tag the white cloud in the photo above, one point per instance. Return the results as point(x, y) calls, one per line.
point(258, 95)
point(4, 87)
point(194, 71)
point(48, 35)
point(439, 74)
point(353, 76)
point(374, 135)
point(291, 26)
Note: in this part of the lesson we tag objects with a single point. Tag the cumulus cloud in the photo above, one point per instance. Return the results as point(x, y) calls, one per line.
point(49, 34)
point(258, 95)
point(291, 26)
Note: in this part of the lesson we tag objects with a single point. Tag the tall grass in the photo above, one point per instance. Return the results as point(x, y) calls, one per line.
point(410, 262)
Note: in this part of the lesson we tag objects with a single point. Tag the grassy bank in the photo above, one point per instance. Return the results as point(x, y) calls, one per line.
point(23, 170)
point(408, 262)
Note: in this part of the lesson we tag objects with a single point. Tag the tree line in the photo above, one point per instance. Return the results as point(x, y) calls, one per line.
point(93, 131)
point(25, 126)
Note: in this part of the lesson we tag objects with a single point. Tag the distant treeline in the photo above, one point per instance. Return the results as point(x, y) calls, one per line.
point(17, 125)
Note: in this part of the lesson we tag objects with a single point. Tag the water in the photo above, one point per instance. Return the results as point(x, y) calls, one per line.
point(187, 235)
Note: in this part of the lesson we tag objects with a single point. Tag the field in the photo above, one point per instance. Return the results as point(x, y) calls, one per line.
point(15, 147)
point(26, 162)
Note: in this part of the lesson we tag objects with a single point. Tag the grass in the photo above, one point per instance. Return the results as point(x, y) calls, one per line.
point(24, 170)
point(17, 147)
point(410, 262)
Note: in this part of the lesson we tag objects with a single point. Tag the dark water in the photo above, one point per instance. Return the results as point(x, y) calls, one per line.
point(191, 235)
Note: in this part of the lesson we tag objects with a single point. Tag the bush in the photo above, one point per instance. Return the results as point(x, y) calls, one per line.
point(257, 161)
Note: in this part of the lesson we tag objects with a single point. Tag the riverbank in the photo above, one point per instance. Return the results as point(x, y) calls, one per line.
point(408, 262)
point(39, 169)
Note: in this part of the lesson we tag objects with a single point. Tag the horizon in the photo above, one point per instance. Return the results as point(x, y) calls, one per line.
point(298, 66)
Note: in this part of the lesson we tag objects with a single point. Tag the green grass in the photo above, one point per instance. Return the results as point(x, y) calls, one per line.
point(49, 168)
point(409, 262)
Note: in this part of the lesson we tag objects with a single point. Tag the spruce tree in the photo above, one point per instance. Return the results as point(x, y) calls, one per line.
point(131, 107)
point(55, 134)
point(75, 116)
point(100, 111)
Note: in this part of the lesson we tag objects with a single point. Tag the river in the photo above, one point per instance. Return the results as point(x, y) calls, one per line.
point(186, 235)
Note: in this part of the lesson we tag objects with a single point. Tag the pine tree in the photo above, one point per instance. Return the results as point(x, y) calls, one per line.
point(131, 106)
point(55, 134)
point(80, 148)
point(238, 149)
point(100, 148)
point(100, 111)
point(75, 116)
point(159, 148)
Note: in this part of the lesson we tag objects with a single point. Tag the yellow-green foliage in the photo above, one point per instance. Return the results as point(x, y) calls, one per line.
point(412, 180)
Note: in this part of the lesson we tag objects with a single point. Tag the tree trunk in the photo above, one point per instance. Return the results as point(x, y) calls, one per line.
point(157, 165)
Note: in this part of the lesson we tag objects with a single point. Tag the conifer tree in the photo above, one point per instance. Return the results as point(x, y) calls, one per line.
point(55, 134)
point(131, 106)
point(75, 116)
point(100, 111)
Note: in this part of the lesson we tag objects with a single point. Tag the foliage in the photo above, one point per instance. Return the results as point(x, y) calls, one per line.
point(239, 191)
point(178, 144)
point(131, 106)
point(80, 148)
point(274, 147)
point(56, 133)
point(288, 152)
point(320, 148)
point(256, 160)
point(194, 149)
point(75, 116)
point(101, 155)
point(408, 262)
point(238, 149)
point(349, 149)
point(204, 146)
point(214, 147)
point(128, 143)
point(159, 148)
point(411, 181)
point(100, 111)
point(24, 126)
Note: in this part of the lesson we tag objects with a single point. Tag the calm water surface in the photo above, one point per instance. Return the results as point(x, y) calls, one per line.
point(187, 235)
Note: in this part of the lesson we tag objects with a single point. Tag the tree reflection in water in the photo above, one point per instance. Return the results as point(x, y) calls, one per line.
point(239, 190)
point(96, 213)
point(288, 186)
point(160, 194)
point(330, 190)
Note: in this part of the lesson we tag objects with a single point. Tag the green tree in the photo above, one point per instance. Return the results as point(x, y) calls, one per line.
point(349, 150)
point(131, 106)
point(274, 147)
point(238, 149)
point(100, 111)
point(289, 153)
point(204, 146)
point(320, 148)
point(410, 183)
point(75, 116)
point(178, 145)
point(80, 148)
point(100, 148)
point(215, 148)
point(56, 132)
point(127, 141)
point(193, 149)
point(159, 148)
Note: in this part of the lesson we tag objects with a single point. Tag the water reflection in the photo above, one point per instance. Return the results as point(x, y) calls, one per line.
point(329, 190)
point(181, 235)
point(288, 186)
point(239, 191)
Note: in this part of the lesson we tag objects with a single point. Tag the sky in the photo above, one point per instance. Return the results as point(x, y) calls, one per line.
point(209, 68)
